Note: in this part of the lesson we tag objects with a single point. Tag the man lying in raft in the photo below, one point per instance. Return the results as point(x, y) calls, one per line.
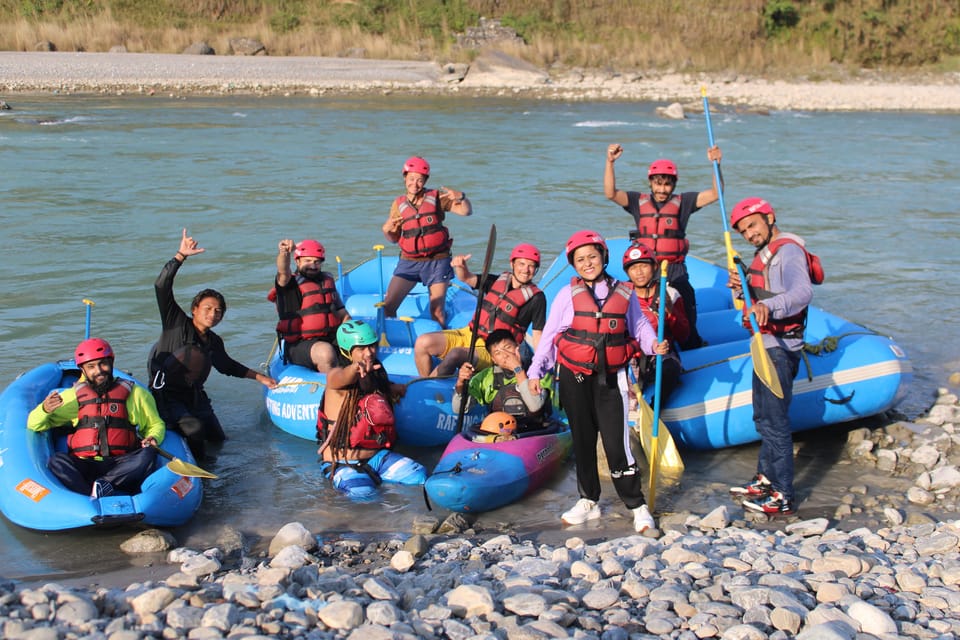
point(503, 387)
point(115, 423)
point(355, 424)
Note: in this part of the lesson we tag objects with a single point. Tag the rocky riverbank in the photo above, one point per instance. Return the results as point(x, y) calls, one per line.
point(699, 576)
point(491, 74)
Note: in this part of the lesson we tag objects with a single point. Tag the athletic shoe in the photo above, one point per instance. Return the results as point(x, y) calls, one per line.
point(773, 505)
point(759, 487)
point(101, 489)
point(642, 520)
point(581, 512)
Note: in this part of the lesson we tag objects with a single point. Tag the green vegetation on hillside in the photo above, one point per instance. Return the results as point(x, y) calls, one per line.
point(711, 35)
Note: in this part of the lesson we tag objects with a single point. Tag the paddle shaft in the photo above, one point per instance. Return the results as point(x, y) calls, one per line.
point(728, 243)
point(487, 259)
point(762, 365)
point(658, 386)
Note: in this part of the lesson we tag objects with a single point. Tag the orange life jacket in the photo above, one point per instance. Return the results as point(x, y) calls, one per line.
point(422, 233)
point(316, 317)
point(103, 425)
point(758, 278)
point(598, 339)
point(660, 230)
point(500, 308)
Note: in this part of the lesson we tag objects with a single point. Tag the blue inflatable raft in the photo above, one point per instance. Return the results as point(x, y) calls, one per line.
point(424, 415)
point(848, 371)
point(31, 496)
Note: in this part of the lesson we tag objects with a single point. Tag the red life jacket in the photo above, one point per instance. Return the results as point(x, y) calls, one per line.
point(422, 233)
point(660, 230)
point(103, 425)
point(501, 305)
point(316, 317)
point(374, 427)
point(758, 277)
point(598, 339)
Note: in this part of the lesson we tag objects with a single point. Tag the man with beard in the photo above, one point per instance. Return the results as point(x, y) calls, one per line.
point(309, 306)
point(511, 301)
point(115, 422)
point(181, 359)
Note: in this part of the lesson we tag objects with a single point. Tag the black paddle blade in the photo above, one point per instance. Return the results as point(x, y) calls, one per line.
point(487, 259)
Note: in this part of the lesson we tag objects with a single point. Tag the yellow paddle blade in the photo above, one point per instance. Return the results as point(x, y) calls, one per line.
point(764, 367)
point(666, 451)
point(652, 486)
point(182, 468)
point(383, 340)
point(731, 254)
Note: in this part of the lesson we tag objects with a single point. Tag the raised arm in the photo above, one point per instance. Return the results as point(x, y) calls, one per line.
point(284, 249)
point(712, 195)
point(610, 190)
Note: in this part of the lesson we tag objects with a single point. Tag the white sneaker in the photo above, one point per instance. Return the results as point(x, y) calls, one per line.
point(642, 520)
point(581, 512)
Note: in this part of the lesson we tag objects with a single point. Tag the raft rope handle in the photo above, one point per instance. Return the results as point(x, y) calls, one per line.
point(827, 345)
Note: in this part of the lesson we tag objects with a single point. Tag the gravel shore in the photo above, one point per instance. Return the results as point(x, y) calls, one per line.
point(698, 576)
point(490, 74)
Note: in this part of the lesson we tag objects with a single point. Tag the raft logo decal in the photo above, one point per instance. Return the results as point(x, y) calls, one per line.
point(289, 411)
point(33, 490)
point(182, 487)
point(449, 423)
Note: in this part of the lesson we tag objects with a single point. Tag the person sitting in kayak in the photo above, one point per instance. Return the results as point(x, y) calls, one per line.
point(309, 306)
point(510, 301)
point(355, 423)
point(182, 357)
point(503, 386)
point(115, 427)
point(641, 267)
point(416, 224)
point(661, 217)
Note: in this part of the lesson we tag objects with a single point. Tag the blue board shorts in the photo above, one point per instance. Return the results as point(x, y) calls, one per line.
point(360, 482)
point(429, 272)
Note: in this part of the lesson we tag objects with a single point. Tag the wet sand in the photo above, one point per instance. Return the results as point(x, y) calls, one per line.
point(490, 74)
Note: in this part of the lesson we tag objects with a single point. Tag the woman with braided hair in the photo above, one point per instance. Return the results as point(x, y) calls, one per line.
point(355, 424)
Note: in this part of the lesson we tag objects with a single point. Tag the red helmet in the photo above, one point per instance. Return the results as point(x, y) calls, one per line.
point(662, 167)
point(417, 165)
point(748, 207)
point(583, 238)
point(92, 349)
point(527, 251)
point(309, 249)
point(637, 252)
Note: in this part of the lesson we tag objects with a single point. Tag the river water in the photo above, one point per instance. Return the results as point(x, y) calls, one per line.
point(95, 192)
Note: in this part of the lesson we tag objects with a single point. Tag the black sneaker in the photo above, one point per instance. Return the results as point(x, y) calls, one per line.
point(759, 487)
point(773, 505)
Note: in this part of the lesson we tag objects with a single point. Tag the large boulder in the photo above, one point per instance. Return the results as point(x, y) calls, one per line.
point(246, 47)
point(200, 48)
point(498, 69)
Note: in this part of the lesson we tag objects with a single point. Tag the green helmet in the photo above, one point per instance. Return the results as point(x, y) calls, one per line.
point(355, 333)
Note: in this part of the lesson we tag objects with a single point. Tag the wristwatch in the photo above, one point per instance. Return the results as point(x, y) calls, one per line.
point(463, 194)
point(517, 370)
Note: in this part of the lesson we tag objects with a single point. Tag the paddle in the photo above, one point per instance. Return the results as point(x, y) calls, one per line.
point(89, 303)
point(182, 468)
point(661, 321)
point(737, 302)
point(381, 318)
point(670, 459)
point(487, 259)
point(761, 359)
point(762, 365)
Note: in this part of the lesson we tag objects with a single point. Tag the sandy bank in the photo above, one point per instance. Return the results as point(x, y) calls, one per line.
point(39, 72)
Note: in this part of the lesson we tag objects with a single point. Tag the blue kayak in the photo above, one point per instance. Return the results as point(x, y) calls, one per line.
point(848, 372)
point(31, 496)
point(476, 475)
